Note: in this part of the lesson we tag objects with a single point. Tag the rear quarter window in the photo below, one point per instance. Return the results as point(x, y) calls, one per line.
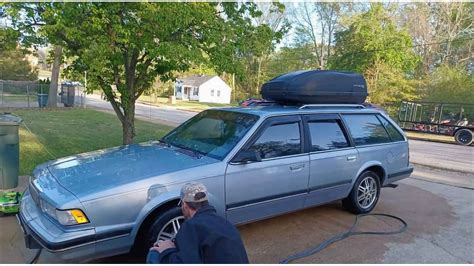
point(366, 129)
point(394, 134)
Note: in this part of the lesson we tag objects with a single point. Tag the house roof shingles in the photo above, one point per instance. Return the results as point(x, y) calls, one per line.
point(195, 80)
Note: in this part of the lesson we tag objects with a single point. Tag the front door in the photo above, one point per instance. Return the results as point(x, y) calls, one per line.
point(276, 184)
point(186, 93)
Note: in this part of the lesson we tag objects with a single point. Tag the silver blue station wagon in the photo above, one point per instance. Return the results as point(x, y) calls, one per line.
point(257, 162)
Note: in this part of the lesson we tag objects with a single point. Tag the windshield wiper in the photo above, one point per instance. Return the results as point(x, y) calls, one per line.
point(161, 141)
point(196, 154)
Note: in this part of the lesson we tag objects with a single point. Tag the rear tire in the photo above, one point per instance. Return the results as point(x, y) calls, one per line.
point(464, 137)
point(364, 195)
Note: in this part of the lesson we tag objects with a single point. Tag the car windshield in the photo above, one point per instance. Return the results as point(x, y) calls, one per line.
point(212, 132)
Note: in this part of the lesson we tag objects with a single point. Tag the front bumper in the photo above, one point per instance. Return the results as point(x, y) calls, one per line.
point(41, 232)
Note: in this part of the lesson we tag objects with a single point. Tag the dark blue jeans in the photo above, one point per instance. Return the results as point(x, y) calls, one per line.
point(153, 257)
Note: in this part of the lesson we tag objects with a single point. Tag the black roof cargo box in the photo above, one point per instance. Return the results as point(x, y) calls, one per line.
point(316, 87)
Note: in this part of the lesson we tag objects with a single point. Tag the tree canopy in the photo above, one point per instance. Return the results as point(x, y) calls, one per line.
point(124, 46)
point(13, 62)
point(373, 37)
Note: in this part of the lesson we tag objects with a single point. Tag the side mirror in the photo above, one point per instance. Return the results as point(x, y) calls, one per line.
point(247, 156)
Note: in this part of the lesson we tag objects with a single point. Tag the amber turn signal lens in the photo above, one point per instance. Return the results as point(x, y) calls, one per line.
point(79, 216)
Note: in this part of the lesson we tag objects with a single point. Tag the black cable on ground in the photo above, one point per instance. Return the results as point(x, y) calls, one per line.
point(350, 232)
point(36, 257)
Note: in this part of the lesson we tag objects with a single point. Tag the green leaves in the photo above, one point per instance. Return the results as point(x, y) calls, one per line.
point(15, 66)
point(375, 46)
point(373, 37)
point(125, 46)
point(451, 85)
point(8, 39)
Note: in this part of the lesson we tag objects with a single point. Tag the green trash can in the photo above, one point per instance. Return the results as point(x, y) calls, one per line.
point(9, 150)
point(42, 100)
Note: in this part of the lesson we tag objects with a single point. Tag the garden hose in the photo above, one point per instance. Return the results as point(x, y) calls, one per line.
point(350, 232)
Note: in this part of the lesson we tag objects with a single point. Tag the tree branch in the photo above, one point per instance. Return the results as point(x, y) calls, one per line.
point(110, 97)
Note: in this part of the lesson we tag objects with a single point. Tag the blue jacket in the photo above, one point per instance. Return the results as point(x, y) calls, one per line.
point(205, 238)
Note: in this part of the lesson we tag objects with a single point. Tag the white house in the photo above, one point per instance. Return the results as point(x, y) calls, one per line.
point(202, 88)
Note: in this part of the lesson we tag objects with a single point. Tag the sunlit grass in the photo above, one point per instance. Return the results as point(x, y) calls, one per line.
point(431, 137)
point(187, 105)
point(63, 132)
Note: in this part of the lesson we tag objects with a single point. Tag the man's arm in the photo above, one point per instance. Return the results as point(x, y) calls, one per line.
point(188, 248)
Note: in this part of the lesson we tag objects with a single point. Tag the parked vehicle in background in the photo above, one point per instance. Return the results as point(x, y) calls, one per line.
point(449, 119)
point(256, 102)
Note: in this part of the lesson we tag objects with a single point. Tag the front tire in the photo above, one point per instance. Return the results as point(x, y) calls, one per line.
point(464, 137)
point(165, 226)
point(364, 195)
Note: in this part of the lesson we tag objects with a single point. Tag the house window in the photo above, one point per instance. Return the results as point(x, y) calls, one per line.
point(218, 93)
point(212, 92)
point(196, 92)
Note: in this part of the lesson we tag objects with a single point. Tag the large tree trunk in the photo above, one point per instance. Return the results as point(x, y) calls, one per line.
point(128, 129)
point(128, 121)
point(53, 87)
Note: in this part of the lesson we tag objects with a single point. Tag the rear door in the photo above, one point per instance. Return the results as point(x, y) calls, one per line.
point(334, 161)
point(276, 184)
point(376, 145)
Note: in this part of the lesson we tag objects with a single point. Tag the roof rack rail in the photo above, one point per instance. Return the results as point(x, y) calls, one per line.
point(357, 106)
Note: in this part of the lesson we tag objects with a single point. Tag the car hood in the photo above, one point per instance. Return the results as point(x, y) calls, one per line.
point(100, 170)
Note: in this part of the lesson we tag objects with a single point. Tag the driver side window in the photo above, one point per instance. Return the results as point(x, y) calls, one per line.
point(278, 140)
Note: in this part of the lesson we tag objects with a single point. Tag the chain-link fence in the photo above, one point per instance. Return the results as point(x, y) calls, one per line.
point(21, 94)
point(30, 94)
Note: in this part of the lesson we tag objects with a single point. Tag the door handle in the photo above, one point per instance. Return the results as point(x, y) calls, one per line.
point(351, 158)
point(296, 167)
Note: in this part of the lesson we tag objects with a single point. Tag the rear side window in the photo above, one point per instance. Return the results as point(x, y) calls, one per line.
point(392, 131)
point(366, 129)
point(326, 135)
point(279, 140)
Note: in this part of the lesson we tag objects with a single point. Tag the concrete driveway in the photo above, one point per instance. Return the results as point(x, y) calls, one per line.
point(439, 217)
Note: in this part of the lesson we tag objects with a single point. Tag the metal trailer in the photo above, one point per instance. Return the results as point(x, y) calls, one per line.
point(449, 119)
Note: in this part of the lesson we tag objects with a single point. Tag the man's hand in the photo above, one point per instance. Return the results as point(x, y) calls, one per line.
point(163, 245)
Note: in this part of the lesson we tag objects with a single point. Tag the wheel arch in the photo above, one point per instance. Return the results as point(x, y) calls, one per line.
point(147, 219)
point(375, 167)
point(159, 205)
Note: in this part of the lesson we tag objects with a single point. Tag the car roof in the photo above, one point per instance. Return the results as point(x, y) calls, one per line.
point(264, 111)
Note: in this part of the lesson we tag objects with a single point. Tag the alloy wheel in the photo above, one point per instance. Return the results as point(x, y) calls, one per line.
point(367, 192)
point(170, 229)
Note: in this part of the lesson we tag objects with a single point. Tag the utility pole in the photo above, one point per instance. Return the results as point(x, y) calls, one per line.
point(85, 88)
point(233, 87)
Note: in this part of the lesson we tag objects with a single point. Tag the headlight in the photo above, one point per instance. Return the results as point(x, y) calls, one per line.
point(48, 209)
point(64, 217)
point(71, 217)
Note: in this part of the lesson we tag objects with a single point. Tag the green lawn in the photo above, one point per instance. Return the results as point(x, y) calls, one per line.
point(430, 137)
point(185, 105)
point(8, 98)
point(69, 131)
